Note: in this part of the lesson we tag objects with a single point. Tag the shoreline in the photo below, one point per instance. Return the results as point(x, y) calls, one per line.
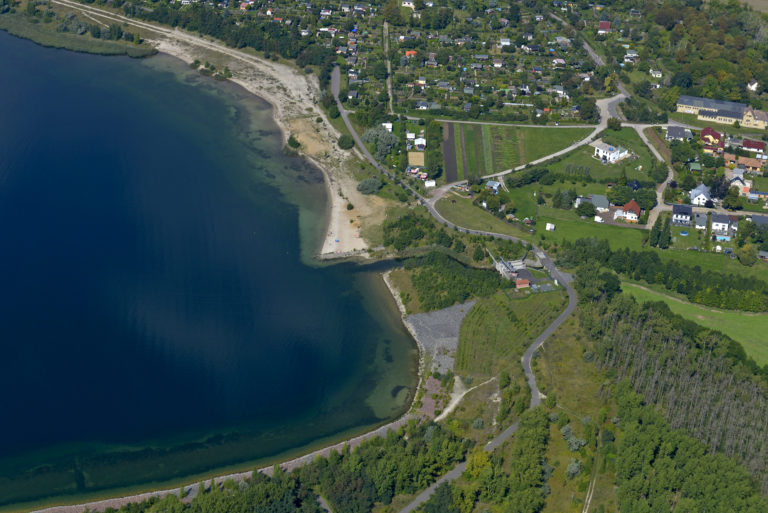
point(190, 490)
point(293, 96)
point(342, 237)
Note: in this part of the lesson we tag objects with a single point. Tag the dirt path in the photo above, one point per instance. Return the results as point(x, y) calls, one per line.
point(457, 395)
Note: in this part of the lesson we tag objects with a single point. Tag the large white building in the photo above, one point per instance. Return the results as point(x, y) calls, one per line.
point(609, 154)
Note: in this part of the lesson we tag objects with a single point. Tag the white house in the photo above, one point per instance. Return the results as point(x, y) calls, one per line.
point(700, 222)
point(429, 184)
point(410, 136)
point(409, 4)
point(655, 73)
point(752, 86)
point(609, 154)
point(550, 227)
point(387, 126)
point(720, 223)
point(420, 143)
point(681, 214)
point(505, 41)
point(700, 195)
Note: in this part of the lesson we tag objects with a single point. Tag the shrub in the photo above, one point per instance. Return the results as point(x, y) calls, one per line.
point(293, 142)
point(574, 469)
point(369, 186)
point(346, 142)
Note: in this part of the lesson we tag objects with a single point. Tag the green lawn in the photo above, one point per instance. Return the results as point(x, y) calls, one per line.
point(462, 212)
point(525, 202)
point(746, 328)
point(495, 333)
point(568, 226)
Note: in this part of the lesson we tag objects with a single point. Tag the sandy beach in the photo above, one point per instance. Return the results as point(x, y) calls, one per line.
point(294, 96)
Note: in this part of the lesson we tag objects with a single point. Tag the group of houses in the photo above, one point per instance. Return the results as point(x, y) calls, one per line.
point(723, 112)
point(722, 226)
point(628, 213)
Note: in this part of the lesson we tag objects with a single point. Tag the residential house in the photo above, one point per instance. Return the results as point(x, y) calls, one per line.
point(655, 73)
point(720, 224)
point(600, 202)
point(753, 146)
point(505, 41)
point(760, 221)
point(631, 56)
point(729, 158)
point(604, 27)
point(678, 133)
point(476, 66)
point(681, 214)
point(700, 195)
point(752, 86)
point(700, 222)
point(713, 140)
point(695, 167)
point(750, 164)
point(420, 143)
point(422, 105)
point(409, 4)
point(467, 107)
point(631, 211)
point(498, 63)
point(609, 154)
point(352, 95)
point(763, 255)
point(558, 63)
point(493, 185)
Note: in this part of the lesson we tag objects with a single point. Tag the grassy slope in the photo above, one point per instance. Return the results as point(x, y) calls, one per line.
point(497, 329)
point(465, 214)
point(576, 384)
point(748, 329)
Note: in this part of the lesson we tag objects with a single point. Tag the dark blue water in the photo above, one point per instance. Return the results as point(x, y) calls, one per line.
point(156, 318)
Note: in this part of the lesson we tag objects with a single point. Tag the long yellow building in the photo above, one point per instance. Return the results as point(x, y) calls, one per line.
point(722, 112)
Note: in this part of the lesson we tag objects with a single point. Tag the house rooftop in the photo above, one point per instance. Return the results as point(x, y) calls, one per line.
point(709, 104)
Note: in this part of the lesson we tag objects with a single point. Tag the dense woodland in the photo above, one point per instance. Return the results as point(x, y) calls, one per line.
point(351, 481)
point(442, 281)
point(720, 290)
point(701, 379)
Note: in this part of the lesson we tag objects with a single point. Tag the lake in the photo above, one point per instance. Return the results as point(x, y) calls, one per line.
point(161, 316)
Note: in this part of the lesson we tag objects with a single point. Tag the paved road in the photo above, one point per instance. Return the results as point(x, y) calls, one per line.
point(549, 265)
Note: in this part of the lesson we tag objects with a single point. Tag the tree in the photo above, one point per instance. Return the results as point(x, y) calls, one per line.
point(573, 469)
point(614, 124)
point(747, 255)
point(346, 142)
point(586, 209)
point(732, 201)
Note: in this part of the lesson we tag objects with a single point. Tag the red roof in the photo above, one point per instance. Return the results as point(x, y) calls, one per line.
point(633, 206)
point(753, 145)
point(522, 284)
point(711, 133)
point(605, 25)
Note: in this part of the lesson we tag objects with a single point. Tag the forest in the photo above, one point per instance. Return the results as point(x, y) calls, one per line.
point(352, 481)
point(701, 379)
point(710, 288)
point(442, 281)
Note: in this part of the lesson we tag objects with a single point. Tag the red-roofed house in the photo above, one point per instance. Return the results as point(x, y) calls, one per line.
point(410, 53)
point(631, 211)
point(522, 284)
point(604, 27)
point(713, 140)
point(750, 145)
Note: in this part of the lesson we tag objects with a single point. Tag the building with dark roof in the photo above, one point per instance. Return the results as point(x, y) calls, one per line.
point(681, 214)
point(723, 112)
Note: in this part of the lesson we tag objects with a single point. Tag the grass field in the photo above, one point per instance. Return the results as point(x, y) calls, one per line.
point(568, 226)
point(495, 333)
point(634, 168)
point(746, 328)
point(576, 385)
point(463, 213)
point(491, 148)
point(525, 202)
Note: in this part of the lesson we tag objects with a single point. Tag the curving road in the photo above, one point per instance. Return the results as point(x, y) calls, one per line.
point(548, 264)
